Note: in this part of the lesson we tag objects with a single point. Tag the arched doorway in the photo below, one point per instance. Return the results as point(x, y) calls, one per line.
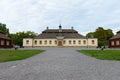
point(60, 43)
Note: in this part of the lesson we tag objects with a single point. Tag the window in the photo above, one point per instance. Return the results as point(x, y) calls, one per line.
point(35, 41)
point(93, 42)
point(7, 43)
point(50, 42)
point(55, 42)
point(2, 42)
point(79, 42)
point(69, 41)
point(45, 41)
point(84, 42)
point(112, 43)
point(74, 42)
point(40, 42)
point(117, 43)
point(64, 42)
point(27, 41)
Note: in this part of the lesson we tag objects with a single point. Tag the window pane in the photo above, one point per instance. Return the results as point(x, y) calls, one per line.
point(27, 42)
point(35, 42)
point(8, 43)
point(50, 42)
point(112, 43)
point(40, 42)
point(79, 42)
point(64, 42)
point(69, 41)
point(74, 42)
point(93, 42)
point(2, 42)
point(84, 42)
point(55, 42)
point(45, 41)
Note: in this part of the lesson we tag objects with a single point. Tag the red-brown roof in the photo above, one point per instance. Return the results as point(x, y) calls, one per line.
point(3, 36)
point(116, 36)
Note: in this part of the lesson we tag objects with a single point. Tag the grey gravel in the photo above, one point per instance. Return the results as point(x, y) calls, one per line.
point(60, 63)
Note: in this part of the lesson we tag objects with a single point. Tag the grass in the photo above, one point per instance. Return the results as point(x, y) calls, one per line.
point(103, 55)
point(13, 55)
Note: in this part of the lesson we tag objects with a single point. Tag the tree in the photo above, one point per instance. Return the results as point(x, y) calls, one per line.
point(4, 29)
point(102, 35)
point(90, 35)
point(18, 37)
point(109, 33)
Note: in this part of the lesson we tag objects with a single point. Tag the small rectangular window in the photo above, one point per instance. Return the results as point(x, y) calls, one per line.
point(45, 42)
point(79, 42)
point(69, 41)
point(55, 42)
point(112, 43)
point(35, 41)
point(74, 42)
point(64, 42)
point(84, 42)
point(50, 42)
point(117, 43)
point(40, 42)
point(93, 42)
point(27, 41)
point(2, 42)
point(7, 43)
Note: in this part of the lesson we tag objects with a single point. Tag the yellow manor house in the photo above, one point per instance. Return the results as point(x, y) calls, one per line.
point(60, 37)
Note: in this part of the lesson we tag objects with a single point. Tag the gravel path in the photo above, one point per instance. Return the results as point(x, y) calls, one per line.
point(60, 64)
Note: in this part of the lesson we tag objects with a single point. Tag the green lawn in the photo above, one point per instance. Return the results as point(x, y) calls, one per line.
point(103, 55)
point(13, 55)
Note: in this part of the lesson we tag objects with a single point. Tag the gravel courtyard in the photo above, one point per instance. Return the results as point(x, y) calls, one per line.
point(59, 63)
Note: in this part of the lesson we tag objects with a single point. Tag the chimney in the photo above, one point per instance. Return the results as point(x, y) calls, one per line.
point(72, 28)
point(47, 28)
point(60, 28)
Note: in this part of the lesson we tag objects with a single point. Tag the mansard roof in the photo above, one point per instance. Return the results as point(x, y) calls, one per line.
point(53, 33)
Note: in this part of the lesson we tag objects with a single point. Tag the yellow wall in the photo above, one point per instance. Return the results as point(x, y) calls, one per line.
point(66, 42)
point(30, 42)
point(43, 42)
point(90, 43)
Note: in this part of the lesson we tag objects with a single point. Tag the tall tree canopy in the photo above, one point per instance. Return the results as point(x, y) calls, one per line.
point(4, 29)
point(102, 34)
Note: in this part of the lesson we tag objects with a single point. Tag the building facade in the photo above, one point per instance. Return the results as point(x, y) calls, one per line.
point(114, 42)
point(60, 37)
point(5, 42)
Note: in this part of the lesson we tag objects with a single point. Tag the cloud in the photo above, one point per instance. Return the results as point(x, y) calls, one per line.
point(36, 15)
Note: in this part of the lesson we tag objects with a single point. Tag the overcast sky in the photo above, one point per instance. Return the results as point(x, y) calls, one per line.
point(84, 15)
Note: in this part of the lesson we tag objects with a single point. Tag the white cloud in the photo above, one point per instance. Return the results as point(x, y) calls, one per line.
point(36, 15)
